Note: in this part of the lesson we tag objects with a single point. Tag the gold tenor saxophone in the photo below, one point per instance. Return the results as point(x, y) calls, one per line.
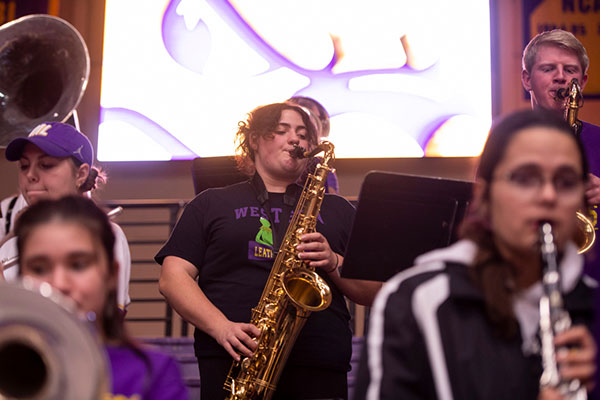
point(292, 292)
point(573, 101)
point(554, 319)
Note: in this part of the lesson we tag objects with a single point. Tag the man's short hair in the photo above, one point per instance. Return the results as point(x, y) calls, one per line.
point(559, 38)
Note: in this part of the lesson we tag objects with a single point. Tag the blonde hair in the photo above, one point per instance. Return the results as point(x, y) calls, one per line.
point(559, 38)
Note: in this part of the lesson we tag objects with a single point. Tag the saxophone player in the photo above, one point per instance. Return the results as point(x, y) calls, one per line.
point(227, 237)
point(550, 62)
point(463, 322)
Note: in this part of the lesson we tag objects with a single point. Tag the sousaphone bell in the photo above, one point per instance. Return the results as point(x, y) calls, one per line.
point(47, 350)
point(44, 70)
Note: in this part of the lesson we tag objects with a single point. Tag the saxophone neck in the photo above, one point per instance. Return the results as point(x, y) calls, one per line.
point(574, 90)
point(571, 93)
point(574, 100)
point(325, 147)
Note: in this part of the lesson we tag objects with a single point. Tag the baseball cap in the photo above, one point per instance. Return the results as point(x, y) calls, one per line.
point(55, 139)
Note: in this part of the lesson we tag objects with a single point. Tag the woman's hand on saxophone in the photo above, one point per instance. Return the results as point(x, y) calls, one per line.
point(315, 247)
point(576, 355)
point(237, 337)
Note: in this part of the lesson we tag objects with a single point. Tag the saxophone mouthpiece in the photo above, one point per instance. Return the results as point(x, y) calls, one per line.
point(298, 152)
point(562, 93)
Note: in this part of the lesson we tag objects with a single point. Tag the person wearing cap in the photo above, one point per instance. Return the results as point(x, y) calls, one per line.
point(55, 160)
point(551, 60)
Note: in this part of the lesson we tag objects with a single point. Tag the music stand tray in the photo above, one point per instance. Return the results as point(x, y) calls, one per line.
point(399, 217)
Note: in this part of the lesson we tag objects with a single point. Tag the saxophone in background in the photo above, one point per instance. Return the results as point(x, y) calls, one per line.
point(292, 292)
point(574, 100)
point(571, 95)
point(554, 319)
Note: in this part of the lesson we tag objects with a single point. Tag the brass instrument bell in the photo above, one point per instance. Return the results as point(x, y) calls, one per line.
point(44, 70)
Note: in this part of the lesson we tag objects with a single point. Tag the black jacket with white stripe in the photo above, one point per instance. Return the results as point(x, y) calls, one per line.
point(429, 337)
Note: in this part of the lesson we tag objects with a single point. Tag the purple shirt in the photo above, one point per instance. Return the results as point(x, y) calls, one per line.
point(130, 375)
point(590, 136)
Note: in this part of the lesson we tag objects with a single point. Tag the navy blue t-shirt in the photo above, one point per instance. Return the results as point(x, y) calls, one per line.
point(231, 237)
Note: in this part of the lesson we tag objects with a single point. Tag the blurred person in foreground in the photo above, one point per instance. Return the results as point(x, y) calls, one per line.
point(463, 323)
point(69, 243)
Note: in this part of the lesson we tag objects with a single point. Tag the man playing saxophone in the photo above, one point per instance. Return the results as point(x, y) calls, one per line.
point(551, 61)
point(227, 238)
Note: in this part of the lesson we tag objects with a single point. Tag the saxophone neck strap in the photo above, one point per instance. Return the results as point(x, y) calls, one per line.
point(260, 190)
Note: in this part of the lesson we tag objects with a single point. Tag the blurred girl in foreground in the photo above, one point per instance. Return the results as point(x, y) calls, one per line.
point(69, 244)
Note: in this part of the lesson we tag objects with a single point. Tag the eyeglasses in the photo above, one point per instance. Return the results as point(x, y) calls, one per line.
point(531, 179)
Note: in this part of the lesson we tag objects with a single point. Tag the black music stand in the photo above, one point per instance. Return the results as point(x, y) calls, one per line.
point(209, 172)
point(400, 217)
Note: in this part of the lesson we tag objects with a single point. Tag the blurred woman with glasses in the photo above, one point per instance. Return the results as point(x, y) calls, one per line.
point(464, 321)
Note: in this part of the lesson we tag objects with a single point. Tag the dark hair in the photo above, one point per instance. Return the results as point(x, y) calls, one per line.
point(505, 129)
point(261, 122)
point(85, 213)
point(323, 114)
point(95, 177)
point(490, 271)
